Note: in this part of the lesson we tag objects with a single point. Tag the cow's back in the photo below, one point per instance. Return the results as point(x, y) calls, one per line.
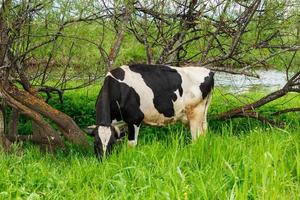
point(164, 92)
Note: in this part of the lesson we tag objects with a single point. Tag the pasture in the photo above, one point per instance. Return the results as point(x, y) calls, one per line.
point(238, 159)
point(52, 48)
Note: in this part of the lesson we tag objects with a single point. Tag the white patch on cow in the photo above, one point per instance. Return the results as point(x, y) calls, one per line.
point(114, 123)
point(192, 77)
point(109, 74)
point(135, 80)
point(117, 130)
point(104, 134)
point(177, 94)
point(179, 107)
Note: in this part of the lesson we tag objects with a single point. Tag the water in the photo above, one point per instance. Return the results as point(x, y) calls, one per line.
point(269, 80)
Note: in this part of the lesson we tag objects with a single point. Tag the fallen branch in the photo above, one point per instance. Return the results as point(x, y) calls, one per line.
point(248, 110)
point(53, 139)
point(286, 111)
point(263, 119)
point(34, 106)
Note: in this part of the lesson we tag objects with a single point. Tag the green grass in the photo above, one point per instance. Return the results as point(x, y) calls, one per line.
point(263, 164)
point(238, 159)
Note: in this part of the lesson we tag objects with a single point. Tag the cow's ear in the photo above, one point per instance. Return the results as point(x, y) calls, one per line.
point(115, 131)
point(90, 130)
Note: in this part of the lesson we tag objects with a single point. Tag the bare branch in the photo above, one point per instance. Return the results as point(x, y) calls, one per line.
point(279, 112)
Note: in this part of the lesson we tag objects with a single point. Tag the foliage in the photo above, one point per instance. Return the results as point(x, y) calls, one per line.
point(47, 44)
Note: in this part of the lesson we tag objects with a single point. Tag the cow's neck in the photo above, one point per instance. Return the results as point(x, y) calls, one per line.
point(103, 115)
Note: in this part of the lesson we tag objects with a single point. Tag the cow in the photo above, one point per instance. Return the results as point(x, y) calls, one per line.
point(151, 94)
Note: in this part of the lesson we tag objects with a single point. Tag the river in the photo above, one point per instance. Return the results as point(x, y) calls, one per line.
point(269, 80)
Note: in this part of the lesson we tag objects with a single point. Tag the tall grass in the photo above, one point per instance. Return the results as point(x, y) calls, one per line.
point(263, 164)
point(239, 159)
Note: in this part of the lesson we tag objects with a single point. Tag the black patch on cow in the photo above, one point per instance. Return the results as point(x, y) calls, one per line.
point(207, 85)
point(163, 81)
point(118, 73)
point(117, 101)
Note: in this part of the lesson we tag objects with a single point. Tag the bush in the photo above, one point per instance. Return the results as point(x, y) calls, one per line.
point(80, 107)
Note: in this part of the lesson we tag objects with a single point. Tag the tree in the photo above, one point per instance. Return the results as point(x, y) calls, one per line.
point(38, 42)
point(15, 20)
point(27, 27)
point(230, 36)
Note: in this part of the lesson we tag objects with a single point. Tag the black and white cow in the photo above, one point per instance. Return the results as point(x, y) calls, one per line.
point(152, 94)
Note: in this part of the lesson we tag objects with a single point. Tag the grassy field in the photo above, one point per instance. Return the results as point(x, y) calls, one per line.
point(239, 159)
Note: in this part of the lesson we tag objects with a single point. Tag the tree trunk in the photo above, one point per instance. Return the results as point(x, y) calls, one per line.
point(4, 142)
point(14, 122)
point(36, 106)
point(50, 138)
point(38, 137)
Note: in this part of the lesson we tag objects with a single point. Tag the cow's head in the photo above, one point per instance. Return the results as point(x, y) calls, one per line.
point(105, 138)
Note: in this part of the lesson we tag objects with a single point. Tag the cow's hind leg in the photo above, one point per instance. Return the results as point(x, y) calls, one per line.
point(133, 132)
point(197, 118)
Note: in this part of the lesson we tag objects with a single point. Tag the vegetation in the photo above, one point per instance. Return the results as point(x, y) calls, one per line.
point(263, 164)
point(45, 45)
point(240, 159)
point(60, 49)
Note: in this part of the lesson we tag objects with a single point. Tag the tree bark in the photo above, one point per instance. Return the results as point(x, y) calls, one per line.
point(14, 122)
point(38, 137)
point(4, 142)
point(51, 137)
point(37, 106)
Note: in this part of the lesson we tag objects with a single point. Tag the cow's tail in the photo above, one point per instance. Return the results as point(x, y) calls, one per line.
point(211, 81)
point(210, 85)
point(208, 100)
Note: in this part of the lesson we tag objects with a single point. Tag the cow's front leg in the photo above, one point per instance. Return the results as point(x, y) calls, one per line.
point(133, 132)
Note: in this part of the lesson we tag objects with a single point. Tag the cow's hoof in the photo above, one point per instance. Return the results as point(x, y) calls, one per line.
point(132, 144)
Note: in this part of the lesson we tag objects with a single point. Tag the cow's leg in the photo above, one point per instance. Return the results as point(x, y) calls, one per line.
point(133, 132)
point(197, 118)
